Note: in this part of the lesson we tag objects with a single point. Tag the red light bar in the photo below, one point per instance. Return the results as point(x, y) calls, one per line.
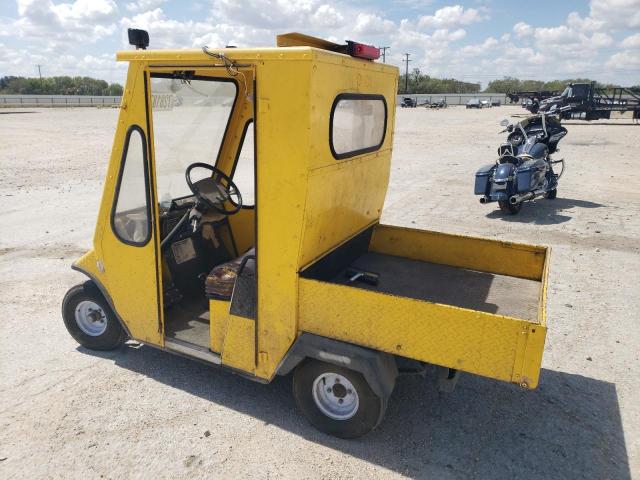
point(361, 50)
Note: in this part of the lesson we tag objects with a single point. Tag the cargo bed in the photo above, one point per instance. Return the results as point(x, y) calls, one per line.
point(487, 292)
point(467, 303)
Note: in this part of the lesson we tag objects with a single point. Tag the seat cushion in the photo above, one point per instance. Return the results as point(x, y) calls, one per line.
point(219, 283)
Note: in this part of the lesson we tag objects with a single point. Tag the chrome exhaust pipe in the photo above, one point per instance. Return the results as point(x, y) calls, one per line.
point(516, 199)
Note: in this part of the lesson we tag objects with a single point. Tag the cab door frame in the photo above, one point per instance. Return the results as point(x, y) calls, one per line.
point(129, 269)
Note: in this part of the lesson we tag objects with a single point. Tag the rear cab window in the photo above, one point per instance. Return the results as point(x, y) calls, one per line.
point(358, 124)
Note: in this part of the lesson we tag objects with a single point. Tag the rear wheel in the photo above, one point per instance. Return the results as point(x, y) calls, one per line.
point(336, 400)
point(508, 207)
point(90, 320)
point(551, 194)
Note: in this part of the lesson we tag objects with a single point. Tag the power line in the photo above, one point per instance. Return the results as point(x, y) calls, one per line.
point(406, 72)
point(384, 53)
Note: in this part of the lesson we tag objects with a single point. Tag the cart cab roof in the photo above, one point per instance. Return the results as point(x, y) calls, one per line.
point(290, 47)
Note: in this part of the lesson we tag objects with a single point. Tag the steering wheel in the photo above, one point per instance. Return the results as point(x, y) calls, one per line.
point(215, 190)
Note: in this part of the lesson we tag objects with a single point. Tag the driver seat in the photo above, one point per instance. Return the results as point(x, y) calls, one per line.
point(222, 278)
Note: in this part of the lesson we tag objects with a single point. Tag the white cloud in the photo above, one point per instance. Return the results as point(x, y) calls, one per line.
point(632, 41)
point(450, 17)
point(165, 32)
point(522, 29)
point(61, 26)
point(616, 13)
point(68, 34)
point(555, 35)
point(370, 24)
point(480, 49)
point(627, 60)
point(21, 61)
point(144, 5)
point(327, 16)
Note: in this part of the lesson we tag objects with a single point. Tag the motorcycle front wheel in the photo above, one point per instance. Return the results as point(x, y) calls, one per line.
point(508, 207)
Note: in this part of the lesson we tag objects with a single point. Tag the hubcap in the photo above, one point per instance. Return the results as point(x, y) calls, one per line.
point(91, 318)
point(335, 396)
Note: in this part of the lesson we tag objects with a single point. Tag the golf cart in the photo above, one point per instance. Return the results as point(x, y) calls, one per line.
point(240, 226)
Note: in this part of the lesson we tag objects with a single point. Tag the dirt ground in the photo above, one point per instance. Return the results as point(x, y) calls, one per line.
point(66, 412)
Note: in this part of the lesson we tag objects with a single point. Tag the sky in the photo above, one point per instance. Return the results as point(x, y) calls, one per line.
point(473, 40)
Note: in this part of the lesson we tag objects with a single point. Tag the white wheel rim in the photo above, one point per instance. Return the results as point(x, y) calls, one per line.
point(90, 318)
point(335, 396)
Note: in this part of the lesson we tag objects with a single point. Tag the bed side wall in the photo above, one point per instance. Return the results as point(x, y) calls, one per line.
point(490, 345)
point(481, 254)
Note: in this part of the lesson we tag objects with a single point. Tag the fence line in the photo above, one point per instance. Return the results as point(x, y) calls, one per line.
point(95, 100)
point(58, 100)
point(453, 98)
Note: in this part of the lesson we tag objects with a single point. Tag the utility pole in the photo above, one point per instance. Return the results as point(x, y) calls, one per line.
point(406, 72)
point(39, 73)
point(384, 53)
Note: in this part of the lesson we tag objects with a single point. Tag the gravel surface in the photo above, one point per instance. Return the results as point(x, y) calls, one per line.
point(66, 412)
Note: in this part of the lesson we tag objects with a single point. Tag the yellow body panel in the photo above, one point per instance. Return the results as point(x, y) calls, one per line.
point(487, 344)
point(307, 204)
point(219, 321)
point(130, 271)
point(238, 351)
point(472, 341)
point(243, 229)
point(484, 255)
point(353, 201)
point(300, 217)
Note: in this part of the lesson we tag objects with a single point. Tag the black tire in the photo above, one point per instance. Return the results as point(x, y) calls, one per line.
point(508, 207)
point(552, 194)
point(370, 408)
point(113, 335)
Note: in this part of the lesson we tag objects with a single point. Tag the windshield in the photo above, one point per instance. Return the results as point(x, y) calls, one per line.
point(189, 121)
point(567, 92)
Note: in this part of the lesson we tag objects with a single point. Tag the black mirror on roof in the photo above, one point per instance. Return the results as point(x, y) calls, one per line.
point(138, 38)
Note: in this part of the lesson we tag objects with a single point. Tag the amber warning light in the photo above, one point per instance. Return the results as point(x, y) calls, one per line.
point(361, 50)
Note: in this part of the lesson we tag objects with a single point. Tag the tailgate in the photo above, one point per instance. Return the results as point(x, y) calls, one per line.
point(472, 304)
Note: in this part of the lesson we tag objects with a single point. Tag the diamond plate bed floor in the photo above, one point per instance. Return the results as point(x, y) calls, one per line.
point(487, 292)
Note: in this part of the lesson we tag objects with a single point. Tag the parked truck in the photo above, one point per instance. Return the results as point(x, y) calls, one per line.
point(586, 101)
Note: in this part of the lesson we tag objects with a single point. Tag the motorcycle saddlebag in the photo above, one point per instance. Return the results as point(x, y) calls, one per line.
point(524, 176)
point(482, 179)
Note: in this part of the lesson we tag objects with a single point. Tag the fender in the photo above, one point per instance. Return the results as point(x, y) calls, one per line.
point(95, 283)
point(503, 172)
point(378, 368)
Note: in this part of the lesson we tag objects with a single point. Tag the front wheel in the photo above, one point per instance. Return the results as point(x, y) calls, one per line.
point(336, 400)
point(508, 207)
point(90, 320)
point(551, 194)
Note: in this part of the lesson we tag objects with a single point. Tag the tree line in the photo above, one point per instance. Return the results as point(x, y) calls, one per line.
point(420, 83)
point(510, 84)
point(58, 86)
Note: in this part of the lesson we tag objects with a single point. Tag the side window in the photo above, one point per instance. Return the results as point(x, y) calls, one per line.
point(130, 218)
point(243, 173)
point(358, 124)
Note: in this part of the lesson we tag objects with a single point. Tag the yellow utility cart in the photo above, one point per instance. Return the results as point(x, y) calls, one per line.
point(239, 226)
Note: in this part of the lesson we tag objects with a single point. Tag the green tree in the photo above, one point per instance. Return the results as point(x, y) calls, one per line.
point(419, 83)
point(58, 86)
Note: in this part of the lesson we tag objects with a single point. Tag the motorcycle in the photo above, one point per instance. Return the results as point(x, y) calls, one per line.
point(524, 169)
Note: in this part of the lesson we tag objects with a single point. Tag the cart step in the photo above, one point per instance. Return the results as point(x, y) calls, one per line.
point(192, 350)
